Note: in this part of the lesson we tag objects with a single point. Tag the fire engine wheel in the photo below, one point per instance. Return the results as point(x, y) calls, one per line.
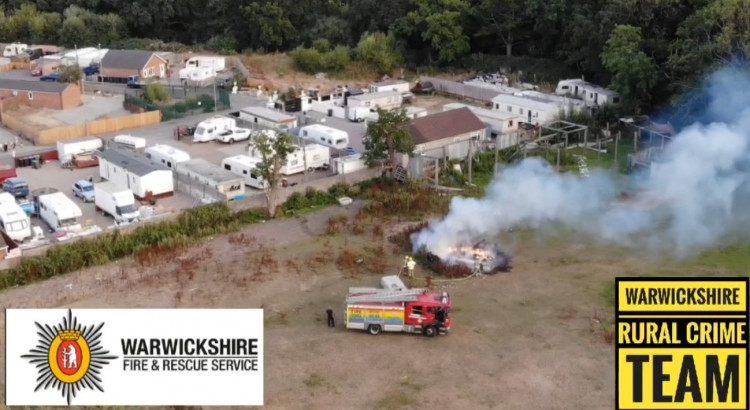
point(374, 330)
point(430, 331)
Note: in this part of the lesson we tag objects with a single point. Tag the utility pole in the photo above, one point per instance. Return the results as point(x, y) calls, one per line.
point(617, 142)
point(304, 156)
point(215, 104)
point(78, 67)
point(471, 144)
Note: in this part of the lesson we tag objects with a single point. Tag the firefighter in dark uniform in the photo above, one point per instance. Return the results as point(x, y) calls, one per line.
point(329, 314)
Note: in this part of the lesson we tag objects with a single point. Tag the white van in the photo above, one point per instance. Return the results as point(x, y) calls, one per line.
point(129, 141)
point(166, 155)
point(321, 134)
point(60, 212)
point(13, 220)
point(244, 166)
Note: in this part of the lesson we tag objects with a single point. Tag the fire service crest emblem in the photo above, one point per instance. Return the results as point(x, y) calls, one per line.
point(69, 357)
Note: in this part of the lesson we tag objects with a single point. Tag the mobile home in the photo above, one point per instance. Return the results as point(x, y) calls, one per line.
point(136, 172)
point(536, 108)
point(310, 157)
point(13, 219)
point(386, 100)
point(399, 86)
point(245, 166)
point(59, 212)
point(266, 117)
point(592, 94)
point(502, 126)
point(203, 173)
point(166, 155)
point(323, 135)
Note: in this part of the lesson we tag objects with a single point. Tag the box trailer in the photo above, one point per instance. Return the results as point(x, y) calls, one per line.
point(166, 155)
point(59, 212)
point(129, 141)
point(307, 157)
point(348, 164)
point(13, 219)
point(324, 135)
point(116, 201)
point(66, 149)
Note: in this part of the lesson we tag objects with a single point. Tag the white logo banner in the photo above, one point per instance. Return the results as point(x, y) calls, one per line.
point(134, 357)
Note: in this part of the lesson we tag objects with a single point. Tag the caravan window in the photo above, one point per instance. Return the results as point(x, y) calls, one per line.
point(227, 167)
point(566, 87)
point(244, 172)
point(67, 222)
point(18, 225)
point(510, 109)
point(341, 141)
point(169, 164)
point(253, 175)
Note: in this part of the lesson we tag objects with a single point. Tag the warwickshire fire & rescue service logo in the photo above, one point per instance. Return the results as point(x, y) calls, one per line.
point(69, 357)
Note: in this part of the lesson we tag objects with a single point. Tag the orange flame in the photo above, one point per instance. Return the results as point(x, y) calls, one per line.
point(468, 250)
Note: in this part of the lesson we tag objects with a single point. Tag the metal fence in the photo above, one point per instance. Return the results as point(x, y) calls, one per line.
point(465, 91)
point(202, 192)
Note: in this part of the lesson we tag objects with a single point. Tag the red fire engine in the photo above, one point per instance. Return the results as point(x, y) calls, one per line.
point(400, 310)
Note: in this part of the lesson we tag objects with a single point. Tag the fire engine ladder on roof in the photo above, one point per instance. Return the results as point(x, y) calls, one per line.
point(411, 295)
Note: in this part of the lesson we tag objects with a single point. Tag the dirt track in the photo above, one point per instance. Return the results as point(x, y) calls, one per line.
point(528, 339)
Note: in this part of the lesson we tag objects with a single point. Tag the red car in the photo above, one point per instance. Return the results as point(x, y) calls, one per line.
point(37, 72)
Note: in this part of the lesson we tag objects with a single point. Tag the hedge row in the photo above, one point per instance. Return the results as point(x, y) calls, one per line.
point(189, 227)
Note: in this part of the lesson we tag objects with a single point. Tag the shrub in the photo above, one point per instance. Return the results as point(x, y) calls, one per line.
point(156, 92)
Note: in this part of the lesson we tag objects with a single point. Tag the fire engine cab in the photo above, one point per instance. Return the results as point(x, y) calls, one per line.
point(394, 308)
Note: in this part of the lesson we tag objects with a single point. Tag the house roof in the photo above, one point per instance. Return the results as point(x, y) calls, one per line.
point(33, 85)
point(527, 102)
point(444, 125)
point(208, 170)
point(483, 112)
point(135, 163)
point(129, 59)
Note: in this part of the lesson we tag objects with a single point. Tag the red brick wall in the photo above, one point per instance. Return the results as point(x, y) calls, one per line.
point(71, 97)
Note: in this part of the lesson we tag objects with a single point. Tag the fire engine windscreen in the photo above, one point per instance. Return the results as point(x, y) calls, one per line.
point(703, 179)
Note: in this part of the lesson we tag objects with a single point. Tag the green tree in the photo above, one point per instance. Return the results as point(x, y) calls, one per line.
point(633, 72)
point(438, 24)
point(156, 92)
point(380, 51)
point(273, 154)
point(387, 136)
point(502, 20)
point(70, 74)
point(268, 26)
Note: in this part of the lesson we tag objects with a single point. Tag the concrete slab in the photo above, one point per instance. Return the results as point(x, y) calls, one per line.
point(95, 107)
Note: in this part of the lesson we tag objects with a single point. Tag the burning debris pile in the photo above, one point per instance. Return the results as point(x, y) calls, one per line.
point(462, 261)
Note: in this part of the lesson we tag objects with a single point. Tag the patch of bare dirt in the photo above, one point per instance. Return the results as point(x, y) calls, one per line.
point(530, 339)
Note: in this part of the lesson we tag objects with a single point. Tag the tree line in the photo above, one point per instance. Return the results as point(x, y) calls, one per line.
point(648, 50)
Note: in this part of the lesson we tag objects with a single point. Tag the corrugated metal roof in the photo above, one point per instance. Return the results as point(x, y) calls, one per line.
point(208, 170)
point(35, 85)
point(135, 163)
point(447, 124)
point(268, 114)
point(128, 59)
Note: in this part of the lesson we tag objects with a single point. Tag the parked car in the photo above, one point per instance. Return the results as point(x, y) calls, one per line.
point(92, 70)
point(350, 151)
point(37, 72)
point(55, 77)
point(84, 190)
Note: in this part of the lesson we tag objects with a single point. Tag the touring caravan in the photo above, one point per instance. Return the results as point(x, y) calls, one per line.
point(321, 134)
point(13, 219)
point(208, 130)
point(60, 212)
point(244, 166)
point(15, 49)
point(166, 155)
point(129, 141)
point(310, 156)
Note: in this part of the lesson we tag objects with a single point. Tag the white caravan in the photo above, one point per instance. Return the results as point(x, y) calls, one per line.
point(67, 149)
point(209, 129)
point(60, 212)
point(321, 134)
point(129, 141)
point(117, 202)
point(245, 166)
point(310, 156)
point(15, 49)
point(13, 220)
point(213, 63)
point(166, 155)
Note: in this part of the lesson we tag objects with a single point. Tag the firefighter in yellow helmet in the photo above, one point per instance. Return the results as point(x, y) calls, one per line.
point(410, 264)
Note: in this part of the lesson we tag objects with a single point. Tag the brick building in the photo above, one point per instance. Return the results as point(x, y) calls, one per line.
point(41, 94)
point(118, 65)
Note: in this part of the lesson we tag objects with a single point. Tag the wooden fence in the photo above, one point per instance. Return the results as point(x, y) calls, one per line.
point(98, 127)
point(20, 126)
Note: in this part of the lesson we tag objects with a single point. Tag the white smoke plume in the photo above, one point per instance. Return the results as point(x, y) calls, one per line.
point(702, 184)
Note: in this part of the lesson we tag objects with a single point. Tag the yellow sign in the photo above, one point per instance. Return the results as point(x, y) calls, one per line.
point(682, 344)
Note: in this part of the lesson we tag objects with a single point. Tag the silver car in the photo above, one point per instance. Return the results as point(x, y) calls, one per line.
point(84, 190)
